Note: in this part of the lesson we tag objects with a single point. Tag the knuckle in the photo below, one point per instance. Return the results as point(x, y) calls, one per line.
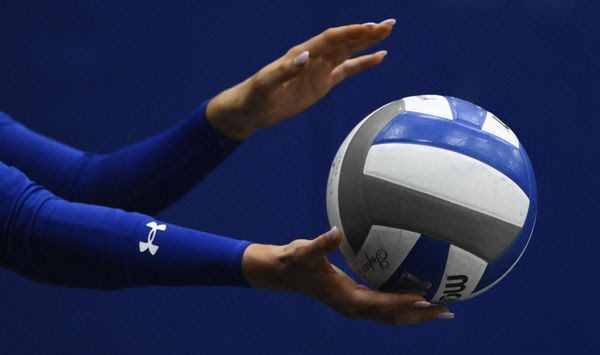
point(327, 34)
point(294, 51)
point(294, 252)
point(281, 66)
point(256, 82)
point(288, 258)
point(401, 321)
point(409, 299)
point(409, 317)
point(348, 312)
point(397, 321)
point(417, 317)
point(389, 318)
point(330, 30)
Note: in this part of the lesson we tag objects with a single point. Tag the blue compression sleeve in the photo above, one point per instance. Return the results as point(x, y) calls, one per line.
point(73, 244)
point(146, 177)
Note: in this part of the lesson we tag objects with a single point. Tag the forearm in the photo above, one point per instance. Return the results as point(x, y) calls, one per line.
point(54, 241)
point(150, 175)
point(147, 176)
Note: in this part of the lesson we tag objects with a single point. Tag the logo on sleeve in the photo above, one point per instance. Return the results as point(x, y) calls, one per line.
point(152, 248)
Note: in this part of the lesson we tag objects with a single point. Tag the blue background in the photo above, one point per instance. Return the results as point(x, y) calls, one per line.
point(102, 74)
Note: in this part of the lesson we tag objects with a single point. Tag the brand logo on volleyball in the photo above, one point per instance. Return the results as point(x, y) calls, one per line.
point(379, 261)
point(455, 285)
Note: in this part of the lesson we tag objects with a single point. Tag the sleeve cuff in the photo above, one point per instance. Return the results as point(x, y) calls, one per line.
point(239, 255)
point(206, 126)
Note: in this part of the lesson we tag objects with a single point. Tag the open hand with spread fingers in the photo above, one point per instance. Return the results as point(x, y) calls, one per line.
point(302, 266)
point(297, 80)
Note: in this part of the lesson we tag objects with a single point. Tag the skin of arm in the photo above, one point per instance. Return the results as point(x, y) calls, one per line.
point(283, 88)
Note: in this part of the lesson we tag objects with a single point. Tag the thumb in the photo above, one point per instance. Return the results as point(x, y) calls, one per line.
point(285, 70)
point(326, 242)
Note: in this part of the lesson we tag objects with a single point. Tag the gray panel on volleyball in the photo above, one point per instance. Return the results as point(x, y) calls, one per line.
point(354, 216)
point(400, 207)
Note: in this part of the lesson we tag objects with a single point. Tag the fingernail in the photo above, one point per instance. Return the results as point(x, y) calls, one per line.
point(390, 21)
point(384, 52)
point(301, 58)
point(331, 234)
point(445, 315)
point(421, 304)
point(370, 24)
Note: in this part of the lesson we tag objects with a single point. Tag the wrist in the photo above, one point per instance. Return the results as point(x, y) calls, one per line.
point(228, 118)
point(262, 266)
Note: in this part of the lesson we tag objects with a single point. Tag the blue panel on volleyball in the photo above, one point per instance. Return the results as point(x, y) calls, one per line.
point(418, 128)
point(466, 112)
point(422, 270)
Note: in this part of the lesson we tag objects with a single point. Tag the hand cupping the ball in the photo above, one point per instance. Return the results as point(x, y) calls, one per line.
point(434, 198)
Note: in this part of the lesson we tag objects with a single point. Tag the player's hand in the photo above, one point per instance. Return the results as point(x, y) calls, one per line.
point(297, 80)
point(302, 266)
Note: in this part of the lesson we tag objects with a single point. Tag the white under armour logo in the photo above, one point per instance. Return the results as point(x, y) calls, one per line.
point(151, 235)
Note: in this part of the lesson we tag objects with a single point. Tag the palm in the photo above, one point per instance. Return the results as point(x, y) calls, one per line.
point(315, 275)
point(310, 272)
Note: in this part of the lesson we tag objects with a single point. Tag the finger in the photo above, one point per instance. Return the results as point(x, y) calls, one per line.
point(379, 33)
point(281, 71)
point(325, 243)
point(412, 316)
point(395, 308)
point(356, 65)
point(334, 37)
point(386, 308)
point(368, 299)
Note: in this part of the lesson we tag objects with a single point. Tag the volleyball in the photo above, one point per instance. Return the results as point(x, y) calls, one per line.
point(435, 196)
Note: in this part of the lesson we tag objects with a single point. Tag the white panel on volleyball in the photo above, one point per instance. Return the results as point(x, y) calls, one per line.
point(383, 251)
point(461, 276)
point(333, 210)
point(451, 176)
point(493, 125)
point(434, 105)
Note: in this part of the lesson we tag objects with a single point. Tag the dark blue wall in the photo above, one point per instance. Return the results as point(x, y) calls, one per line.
point(102, 74)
